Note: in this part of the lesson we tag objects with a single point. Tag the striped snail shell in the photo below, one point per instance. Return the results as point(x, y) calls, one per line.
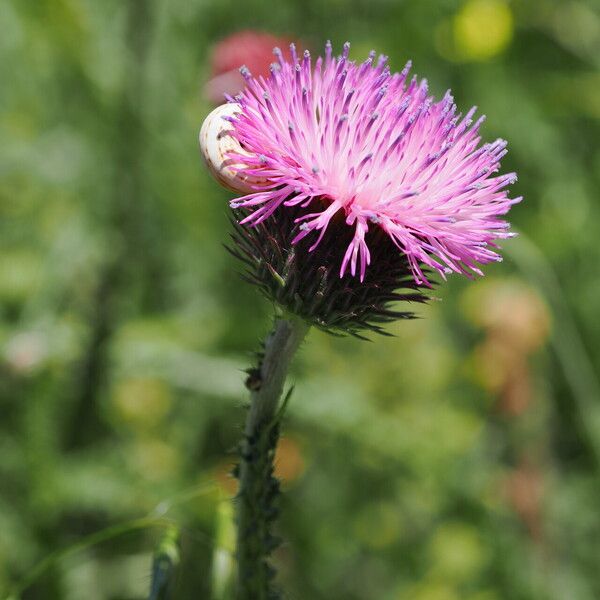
point(216, 141)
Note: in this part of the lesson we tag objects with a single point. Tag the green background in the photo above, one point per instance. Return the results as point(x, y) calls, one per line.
point(459, 459)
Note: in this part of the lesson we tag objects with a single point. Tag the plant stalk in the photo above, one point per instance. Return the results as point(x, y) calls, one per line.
point(258, 488)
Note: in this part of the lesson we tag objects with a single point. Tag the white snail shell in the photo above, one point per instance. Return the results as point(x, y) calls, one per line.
point(216, 141)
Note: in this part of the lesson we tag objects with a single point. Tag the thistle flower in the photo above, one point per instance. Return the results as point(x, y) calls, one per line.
point(357, 171)
point(357, 186)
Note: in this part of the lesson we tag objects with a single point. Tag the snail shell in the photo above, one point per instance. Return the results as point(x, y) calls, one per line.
point(216, 141)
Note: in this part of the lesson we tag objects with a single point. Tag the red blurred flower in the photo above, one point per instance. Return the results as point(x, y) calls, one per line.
point(251, 48)
point(525, 490)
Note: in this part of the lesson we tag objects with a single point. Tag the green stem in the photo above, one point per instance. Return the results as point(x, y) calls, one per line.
point(166, 560)
point(258, 488)
point(87, 542)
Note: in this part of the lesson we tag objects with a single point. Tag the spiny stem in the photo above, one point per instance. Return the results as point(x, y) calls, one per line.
point(258, 488)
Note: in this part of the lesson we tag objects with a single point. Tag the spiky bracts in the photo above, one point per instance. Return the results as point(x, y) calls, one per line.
point(381, 155)
point(308, 284)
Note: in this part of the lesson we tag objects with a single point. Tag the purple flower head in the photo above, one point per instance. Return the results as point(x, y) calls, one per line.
point(358, 143)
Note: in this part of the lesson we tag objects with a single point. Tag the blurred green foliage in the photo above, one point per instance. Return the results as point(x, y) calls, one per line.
point(458, 460)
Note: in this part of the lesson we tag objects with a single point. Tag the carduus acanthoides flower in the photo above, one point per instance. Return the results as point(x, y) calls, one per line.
point(362, 160)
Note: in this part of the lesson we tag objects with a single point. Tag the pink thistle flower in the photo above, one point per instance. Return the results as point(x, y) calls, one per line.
point(359, 143)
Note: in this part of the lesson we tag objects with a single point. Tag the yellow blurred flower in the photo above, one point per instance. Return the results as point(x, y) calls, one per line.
point(378, 525)
point(433, 590)
point(154, 459)
point(142, 403)
point(514, 312)
point(480, 30)
point(516, 321)
point(457, 553)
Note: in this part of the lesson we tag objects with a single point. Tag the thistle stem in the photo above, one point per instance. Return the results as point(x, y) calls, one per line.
point(258, 489)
